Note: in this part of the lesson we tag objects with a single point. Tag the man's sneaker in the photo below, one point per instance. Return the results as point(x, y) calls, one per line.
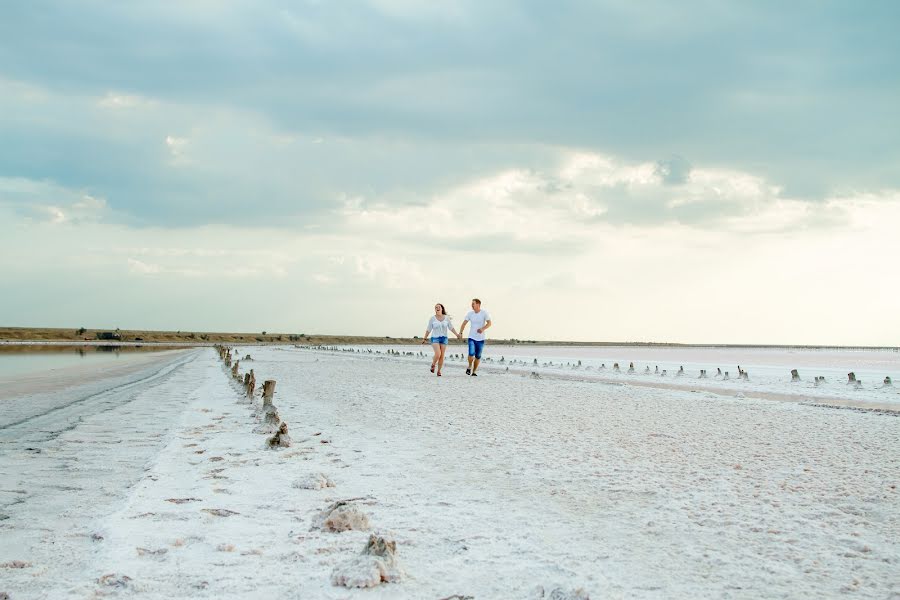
point(468, 371)
point(474, 374)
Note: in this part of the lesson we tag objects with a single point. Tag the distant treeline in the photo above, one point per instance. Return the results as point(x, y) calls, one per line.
point(190, 338)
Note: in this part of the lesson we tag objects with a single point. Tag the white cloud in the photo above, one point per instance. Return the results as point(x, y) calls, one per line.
point(114, 100)
point(177, 147)
point(389, 271)
point(137, 266)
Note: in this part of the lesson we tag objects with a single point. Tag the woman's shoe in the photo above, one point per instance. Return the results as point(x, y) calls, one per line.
point(432, 368)
point(439, 373)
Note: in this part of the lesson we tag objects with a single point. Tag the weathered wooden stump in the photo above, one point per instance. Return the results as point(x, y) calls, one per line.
point(718, 371)
point(680, 371)
point(725, 375)
point(745, 376)
point(251, 385)
point(851, 377)
point(887, 381)
point(234, 369)
point(268, 391)
point(616, 367)
point(795, 376)
point(631, 367)
point(702, 374)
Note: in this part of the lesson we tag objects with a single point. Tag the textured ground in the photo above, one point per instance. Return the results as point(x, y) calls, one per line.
point(491, 486)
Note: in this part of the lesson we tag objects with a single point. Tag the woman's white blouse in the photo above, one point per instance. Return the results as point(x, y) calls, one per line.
point(440, 328)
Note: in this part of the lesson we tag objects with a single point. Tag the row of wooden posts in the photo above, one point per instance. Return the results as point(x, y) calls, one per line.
point(269, 420)
point(851, 379)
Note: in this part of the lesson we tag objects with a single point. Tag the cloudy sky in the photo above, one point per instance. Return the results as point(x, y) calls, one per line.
point(598, 170)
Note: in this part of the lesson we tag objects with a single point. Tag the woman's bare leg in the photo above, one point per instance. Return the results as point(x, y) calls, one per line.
point(437, 355)
point(441, 358)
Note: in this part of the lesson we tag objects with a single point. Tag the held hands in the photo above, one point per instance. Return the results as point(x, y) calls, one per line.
point(481, 330)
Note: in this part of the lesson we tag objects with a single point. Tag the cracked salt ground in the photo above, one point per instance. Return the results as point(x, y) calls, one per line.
point(491, 489)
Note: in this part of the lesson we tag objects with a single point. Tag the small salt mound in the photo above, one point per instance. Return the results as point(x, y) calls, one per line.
point(314, 481)
point(377, 564)
point(281, 439)
point(558, 593)
point(343, 516)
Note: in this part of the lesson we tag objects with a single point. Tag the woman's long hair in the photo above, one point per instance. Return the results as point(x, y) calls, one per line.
point(443, 310)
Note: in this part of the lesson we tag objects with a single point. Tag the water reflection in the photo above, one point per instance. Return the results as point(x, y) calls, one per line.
point(21, 359)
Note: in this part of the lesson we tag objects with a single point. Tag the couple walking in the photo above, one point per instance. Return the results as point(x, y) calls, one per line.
point(440, 326)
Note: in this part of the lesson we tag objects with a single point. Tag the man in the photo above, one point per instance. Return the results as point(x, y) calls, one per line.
point(480, 320)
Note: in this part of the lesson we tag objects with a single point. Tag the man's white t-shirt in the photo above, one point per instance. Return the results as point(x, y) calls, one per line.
point(439, 328)
point(476, 321)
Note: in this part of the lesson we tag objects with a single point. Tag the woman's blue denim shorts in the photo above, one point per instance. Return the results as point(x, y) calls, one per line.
point(439, 340)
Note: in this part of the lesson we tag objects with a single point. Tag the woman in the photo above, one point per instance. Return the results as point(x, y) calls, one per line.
point(438, 327)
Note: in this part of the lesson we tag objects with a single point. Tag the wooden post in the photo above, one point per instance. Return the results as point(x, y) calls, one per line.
point(887, 381)
point(702, 374)
point(616, 367)
point(851, 377)
point(268, 392)
point(234, 369)
point(795, 376)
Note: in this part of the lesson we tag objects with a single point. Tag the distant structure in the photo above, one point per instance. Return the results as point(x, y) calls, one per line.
point(795, 375)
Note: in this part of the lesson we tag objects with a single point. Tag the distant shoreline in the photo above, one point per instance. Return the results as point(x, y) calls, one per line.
point(21, 335)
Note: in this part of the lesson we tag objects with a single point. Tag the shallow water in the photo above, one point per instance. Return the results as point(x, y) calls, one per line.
point(25, 360)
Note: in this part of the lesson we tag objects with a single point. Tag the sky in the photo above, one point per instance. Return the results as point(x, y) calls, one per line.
point(694, 172)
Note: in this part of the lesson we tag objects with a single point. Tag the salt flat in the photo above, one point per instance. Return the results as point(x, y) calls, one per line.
point(493, 487)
